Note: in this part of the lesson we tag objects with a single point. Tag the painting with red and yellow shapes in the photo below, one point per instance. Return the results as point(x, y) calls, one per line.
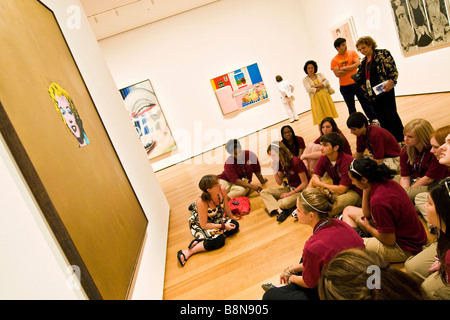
point(239, 89)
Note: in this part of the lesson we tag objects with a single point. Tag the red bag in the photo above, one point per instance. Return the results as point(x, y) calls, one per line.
point(239, 206)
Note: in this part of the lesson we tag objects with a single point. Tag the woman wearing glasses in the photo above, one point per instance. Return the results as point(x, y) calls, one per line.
point(432, 265)
point(387, 215)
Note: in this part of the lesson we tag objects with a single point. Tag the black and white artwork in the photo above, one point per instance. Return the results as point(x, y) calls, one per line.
point(421, 24)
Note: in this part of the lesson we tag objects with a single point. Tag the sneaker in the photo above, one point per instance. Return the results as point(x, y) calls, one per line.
point(375, 122)
point(294, 214)
point(282, 216)
point(434, 230)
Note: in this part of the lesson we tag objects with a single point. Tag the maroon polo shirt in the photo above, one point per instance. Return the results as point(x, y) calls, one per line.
point(339, 172)
point(380, 143)
point(325, 243)
point(291, 147)
point(425, 164)
point(297, 166)
point(393, 212)
point(239, 169)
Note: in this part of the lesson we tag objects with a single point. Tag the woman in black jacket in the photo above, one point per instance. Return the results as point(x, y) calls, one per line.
point(378, 67)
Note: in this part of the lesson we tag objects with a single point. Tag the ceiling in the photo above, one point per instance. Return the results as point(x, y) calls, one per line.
point(111, 17)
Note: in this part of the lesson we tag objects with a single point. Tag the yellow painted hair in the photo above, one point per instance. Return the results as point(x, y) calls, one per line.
point(56, 90)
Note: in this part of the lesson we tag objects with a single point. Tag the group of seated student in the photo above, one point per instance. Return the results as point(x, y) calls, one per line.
point(364, 201)
point(312, 152)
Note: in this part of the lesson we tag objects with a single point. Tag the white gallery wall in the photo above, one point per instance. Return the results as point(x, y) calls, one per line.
point(33, 265)
point(179, 55)
point(182, 53)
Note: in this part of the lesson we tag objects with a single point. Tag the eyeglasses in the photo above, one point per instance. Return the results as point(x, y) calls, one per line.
point(352, 168)
point(446, 182)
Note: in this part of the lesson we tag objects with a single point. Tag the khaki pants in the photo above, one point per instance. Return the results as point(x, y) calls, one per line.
point(418, 266)
point(391, 163)
point(388, 253)
point(350, 198)
point(233, 190)
point(272, 201)
point(414, 191)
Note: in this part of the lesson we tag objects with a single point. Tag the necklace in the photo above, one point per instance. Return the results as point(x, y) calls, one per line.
point(218, 200)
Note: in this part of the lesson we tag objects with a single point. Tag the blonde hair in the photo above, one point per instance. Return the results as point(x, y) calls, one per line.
point(319, 200)
point(56, 90)
point(346, 277)
point(283, 152)
point(368, 41)
point(423, 130)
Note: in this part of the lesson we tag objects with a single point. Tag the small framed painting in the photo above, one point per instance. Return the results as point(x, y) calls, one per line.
point(347, 30)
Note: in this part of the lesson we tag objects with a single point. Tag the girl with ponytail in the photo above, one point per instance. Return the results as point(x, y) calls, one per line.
point(278, 201)
point(211, 220)
point(387, 219)
point(329, 237)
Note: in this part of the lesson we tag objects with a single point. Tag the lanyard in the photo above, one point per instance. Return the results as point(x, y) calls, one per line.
point(367, 140)
point(243, 170)
point(420, 164)
point(321, 225)
point(368, 64)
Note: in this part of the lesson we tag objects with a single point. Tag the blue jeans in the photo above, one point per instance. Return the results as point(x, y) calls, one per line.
point(349, 92)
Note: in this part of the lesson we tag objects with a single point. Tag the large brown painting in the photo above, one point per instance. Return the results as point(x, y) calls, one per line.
point(53, 130)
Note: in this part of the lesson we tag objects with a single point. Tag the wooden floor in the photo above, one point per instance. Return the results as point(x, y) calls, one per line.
point(263, 247)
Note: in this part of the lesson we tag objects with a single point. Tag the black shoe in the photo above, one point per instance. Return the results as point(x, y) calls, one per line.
point(191, 206)
point(362, 233)
point(283, 215)
point(273, 213)
point(267, 286)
